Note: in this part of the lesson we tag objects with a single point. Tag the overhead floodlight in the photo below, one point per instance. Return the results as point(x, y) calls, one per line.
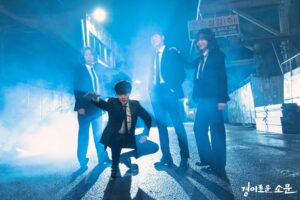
point(99, 15)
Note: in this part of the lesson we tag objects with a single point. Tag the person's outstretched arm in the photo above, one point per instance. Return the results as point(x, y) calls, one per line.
point(100, 103)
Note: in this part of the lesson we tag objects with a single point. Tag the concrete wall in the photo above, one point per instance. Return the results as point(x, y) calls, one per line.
point(260, 91)
point(241, 106)
point(267, 90)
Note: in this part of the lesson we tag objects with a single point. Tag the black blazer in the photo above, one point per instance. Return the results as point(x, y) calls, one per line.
point(116, 116)
point(83, 84)
point(213, 79)
point(172, 70)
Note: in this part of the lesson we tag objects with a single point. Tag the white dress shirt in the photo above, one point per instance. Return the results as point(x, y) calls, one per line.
point(128, 116)
point(95, 83)
point(160, 51)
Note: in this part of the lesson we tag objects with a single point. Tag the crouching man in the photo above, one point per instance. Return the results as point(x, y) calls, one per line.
point(120, 130)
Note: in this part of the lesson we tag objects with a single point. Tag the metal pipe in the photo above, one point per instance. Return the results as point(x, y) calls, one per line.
point(83, 33)
point(256, 22)
point(197, 18)
point(291, 58)
point(198, 10)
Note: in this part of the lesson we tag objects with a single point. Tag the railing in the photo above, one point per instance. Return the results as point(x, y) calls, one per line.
point(287, 68)
point(290, 64)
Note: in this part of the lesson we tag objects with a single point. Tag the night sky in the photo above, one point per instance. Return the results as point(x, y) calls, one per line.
point(54, 32)
point(128, 18)
point(125, 18)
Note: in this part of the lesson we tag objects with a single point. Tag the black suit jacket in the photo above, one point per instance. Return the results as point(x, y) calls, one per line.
point(82, 85)
point(213, 79)
point(172, 71)
point(116, 116)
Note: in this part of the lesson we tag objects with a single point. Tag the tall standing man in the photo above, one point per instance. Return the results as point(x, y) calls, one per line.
point(87, 80)
point(167, 76)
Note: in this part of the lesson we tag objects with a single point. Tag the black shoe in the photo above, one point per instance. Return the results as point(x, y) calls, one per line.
point(134, 169)
point(209, 169)
point(216, 170)
point(164, 163)
point(113, 176)
point(220, 170)
point(115, 173)
point(202, 164)
point(184, 165)
point(127, 161)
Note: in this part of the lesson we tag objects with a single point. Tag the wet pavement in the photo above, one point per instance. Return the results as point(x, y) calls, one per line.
point(259, 166)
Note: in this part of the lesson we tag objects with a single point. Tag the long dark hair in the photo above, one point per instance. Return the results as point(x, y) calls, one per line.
point(208, 34)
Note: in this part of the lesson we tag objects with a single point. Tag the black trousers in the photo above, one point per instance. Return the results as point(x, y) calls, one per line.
point(208, 116)
point(142, 149)
point(116, 148)
point(84, 122)
point(164, 102)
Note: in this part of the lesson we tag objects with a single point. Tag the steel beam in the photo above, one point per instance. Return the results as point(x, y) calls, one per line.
point(256, 22)
point(213, 8)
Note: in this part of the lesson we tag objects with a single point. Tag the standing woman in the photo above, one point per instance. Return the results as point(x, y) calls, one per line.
point(210, 93)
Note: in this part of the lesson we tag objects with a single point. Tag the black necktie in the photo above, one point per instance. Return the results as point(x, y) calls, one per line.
point(125, 114)
point(199, 69)
point(157, 68)
point(95, 79)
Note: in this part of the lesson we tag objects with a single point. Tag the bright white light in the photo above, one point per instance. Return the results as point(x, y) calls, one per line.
point(100, 15)
point(137, 82)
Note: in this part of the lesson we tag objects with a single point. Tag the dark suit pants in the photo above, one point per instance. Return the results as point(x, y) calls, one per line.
point(141, 150)
point(212, 152)
point(119, 141)
point(84, 122)
point(163, 103)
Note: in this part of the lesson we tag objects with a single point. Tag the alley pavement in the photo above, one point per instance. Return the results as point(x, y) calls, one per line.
point(259, 166)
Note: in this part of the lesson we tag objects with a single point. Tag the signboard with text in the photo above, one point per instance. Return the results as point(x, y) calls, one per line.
point(222, 26)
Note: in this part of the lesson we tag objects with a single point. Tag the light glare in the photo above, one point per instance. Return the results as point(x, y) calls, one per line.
point(99, 15)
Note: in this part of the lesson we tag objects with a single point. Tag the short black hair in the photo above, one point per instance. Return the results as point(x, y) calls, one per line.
point(123, 87)
point(81, 58)
point(89, 49)
point(158, 32)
